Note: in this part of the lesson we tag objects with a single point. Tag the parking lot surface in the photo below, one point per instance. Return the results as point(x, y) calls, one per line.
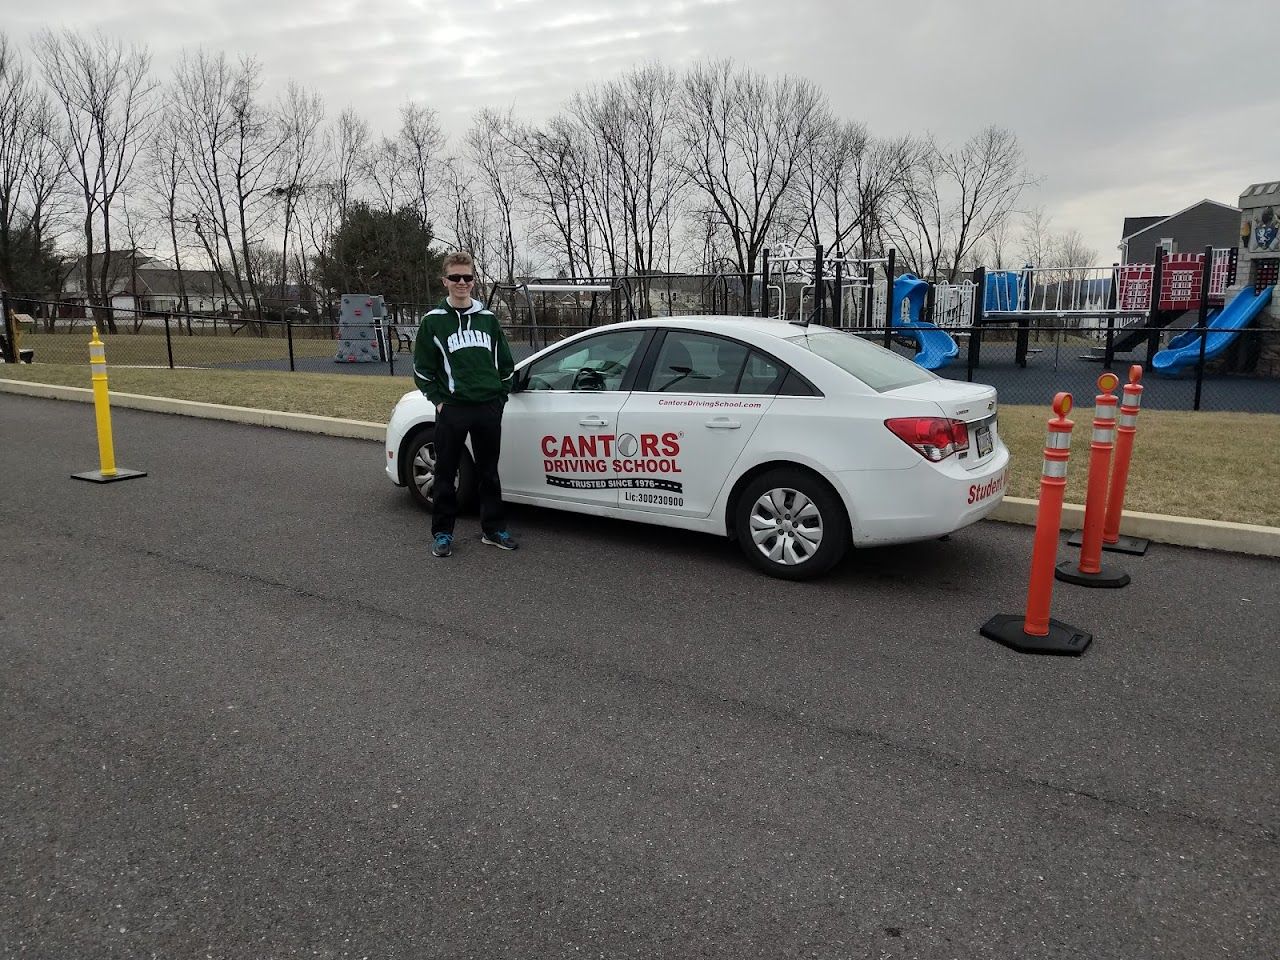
point(246, 715)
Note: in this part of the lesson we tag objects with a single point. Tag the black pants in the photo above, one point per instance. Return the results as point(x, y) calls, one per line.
point(483, 421)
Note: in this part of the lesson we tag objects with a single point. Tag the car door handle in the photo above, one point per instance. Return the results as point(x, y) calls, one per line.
point(594, 422)
point(723, 423)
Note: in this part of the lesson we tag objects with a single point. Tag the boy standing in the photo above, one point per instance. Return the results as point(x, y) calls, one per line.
point(462, 363)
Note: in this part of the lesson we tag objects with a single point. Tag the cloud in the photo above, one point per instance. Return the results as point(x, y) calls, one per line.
point(1122, 107)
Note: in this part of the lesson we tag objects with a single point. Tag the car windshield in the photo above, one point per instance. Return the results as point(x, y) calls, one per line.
point(880, 369)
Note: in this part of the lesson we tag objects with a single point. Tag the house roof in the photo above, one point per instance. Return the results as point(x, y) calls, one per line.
point(163, 282)
point(1156, 223)
point(1134, 225)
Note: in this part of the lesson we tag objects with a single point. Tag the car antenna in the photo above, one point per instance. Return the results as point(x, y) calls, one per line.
point(802, 320)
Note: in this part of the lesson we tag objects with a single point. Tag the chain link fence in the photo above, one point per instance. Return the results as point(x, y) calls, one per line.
point(1027, 362)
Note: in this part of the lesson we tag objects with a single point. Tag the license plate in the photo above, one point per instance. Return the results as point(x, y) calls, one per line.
point(984, 441)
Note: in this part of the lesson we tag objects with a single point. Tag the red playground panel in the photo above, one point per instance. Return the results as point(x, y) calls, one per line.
point(1180, 285)
point(1135, 287)
point(1179, 282)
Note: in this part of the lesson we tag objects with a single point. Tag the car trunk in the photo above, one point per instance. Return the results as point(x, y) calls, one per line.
point(974, 404)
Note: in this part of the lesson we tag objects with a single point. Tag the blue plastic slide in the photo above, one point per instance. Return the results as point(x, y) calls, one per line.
point(1184, 349)
point(935, 347)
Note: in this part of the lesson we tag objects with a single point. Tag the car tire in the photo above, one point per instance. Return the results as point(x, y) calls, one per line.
point(791, 524)
point(419, 471)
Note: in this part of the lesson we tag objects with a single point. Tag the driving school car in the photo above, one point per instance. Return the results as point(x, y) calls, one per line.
point(798, 441)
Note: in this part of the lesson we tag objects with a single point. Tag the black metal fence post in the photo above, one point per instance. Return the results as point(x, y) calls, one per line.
point(975, 319)
point(1153, 310)
point(168, 340)
point(1206, 272)
point(388, 338)
point(288, 333)
point(818, 285)
point(764, 283)
point(10, 331)
point(1113, 300)
point(837, 303)
point(890, 269)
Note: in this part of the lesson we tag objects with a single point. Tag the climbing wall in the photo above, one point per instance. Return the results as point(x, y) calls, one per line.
point(360, 328)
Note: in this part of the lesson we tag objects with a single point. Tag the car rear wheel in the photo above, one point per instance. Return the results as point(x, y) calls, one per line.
point(790, 524)
point(420, 471)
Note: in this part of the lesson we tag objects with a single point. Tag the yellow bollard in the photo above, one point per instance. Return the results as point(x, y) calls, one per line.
point(102, 411)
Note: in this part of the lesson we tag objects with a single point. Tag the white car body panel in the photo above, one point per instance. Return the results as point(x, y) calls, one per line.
point(891, 493)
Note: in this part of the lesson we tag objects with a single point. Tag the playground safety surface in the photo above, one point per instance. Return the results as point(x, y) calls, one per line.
point(248, 715)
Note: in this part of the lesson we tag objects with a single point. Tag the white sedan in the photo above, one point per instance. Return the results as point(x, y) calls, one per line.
point(797, 441)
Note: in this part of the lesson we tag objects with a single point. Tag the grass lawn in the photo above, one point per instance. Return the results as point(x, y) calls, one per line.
point(1215, 466)
point(149, 349)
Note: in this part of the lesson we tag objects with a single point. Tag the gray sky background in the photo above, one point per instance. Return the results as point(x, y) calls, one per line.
point(1123, 108)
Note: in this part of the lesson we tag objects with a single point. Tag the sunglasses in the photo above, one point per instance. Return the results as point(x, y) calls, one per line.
point(460, 278)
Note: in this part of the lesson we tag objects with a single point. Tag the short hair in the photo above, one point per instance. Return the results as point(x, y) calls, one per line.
point(459, 258)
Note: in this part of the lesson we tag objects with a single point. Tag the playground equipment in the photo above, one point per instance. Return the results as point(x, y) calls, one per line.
point(360, 329)
point(618, 287)
point(935, 347)
point(848, 276)
point(1126, 304)
point(1036, 631)
point(1221, 329)
point(108, 472)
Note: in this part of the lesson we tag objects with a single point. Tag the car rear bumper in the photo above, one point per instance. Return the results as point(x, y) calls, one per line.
point(922, 502)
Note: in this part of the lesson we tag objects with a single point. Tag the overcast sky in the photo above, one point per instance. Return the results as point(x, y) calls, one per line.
point(1123, 107)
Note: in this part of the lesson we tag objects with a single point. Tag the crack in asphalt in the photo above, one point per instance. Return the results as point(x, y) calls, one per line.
point(563, 659)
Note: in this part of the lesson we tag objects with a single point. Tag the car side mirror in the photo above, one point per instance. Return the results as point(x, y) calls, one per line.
point(520, 381)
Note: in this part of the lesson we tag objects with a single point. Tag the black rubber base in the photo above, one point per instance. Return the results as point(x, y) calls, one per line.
point(1069, 572)
point(97, 476)
point(1062, 640)
point(1134, 546)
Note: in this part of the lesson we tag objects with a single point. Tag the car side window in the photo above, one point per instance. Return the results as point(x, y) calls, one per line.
point(694, 363)
point(762, 375)
point(598, 363)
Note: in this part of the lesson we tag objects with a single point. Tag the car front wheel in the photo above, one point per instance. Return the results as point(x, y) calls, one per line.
point(790, 524)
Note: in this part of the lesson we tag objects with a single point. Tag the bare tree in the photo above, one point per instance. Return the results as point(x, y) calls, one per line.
point(636, 119)
point(301, 163)
point(422, 145)
point(105, 92)
point(487, 146)
point(745, 136)
point(167, 174)
point(232, 143)
point(33, 198)
point(954, 198)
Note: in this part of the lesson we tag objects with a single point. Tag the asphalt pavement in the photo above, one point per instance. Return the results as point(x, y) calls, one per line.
point(244, 714)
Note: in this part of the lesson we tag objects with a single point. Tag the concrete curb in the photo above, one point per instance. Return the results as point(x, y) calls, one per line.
point(1179, 531)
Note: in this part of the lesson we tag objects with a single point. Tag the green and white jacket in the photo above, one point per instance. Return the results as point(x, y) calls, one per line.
point(462, 356)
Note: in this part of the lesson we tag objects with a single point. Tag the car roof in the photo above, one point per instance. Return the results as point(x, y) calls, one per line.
point(764, 327)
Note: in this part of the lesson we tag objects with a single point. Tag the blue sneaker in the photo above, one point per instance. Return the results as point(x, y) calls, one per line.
point(502, 540)
point(443, 545)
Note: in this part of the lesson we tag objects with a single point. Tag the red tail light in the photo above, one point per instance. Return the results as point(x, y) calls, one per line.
point(934, 438)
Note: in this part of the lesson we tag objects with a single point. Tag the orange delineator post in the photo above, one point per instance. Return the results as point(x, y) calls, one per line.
point(1125, 433)
point(1100, 449)
point(1035, 631)
point(1053, 486)
point(1090, 571)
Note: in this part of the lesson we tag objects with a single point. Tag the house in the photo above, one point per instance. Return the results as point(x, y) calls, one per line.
point(1206, 223)
point(142, 284)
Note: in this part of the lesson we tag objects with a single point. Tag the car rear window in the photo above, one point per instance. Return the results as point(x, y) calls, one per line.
point(880, 369)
